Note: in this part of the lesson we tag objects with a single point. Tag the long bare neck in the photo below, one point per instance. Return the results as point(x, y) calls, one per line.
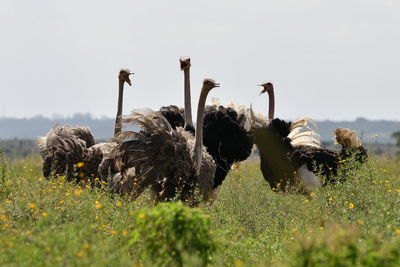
point(271, 105)
point(198, 146)
point(118, 124)
point(188, 102)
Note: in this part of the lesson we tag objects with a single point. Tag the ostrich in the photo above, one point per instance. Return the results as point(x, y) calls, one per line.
point(64, 145)
point(291, 153)
point(179, 117)
point(224, 131)
point(173, 161)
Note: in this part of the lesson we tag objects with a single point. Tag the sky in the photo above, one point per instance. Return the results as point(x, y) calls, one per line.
point(328, 59)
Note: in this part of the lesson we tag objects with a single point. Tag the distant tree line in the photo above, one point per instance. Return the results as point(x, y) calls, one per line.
point(396, 135)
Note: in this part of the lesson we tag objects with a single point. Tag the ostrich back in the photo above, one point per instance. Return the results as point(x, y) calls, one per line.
point(226, 139)
point(66, 153)
point(174, 115)
point(82, 133)
point(162, 158)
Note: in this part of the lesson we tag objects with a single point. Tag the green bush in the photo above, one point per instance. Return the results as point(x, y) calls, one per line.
point(171, 234)
point(344, 247)
point(3, 167)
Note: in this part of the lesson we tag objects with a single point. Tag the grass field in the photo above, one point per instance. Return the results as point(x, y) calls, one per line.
point(356, 223)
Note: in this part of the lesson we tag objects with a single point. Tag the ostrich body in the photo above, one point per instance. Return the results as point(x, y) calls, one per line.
point(224, 132)
point(64, 146)
point(169, 160)
point(291, 152)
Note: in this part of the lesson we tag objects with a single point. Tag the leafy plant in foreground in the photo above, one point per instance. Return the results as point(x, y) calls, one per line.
point(171, 234)
point(340, 247)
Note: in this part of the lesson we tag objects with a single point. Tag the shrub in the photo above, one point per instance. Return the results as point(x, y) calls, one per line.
point(171, 234)
point(340, 247)
point(3, 167)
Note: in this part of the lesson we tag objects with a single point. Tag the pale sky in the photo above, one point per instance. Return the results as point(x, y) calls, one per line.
point(328, 59)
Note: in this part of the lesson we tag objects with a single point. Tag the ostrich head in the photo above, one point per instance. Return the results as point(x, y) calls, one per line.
point(124, 76)
point(267, 87)
point(209, 84)
point(185, 63)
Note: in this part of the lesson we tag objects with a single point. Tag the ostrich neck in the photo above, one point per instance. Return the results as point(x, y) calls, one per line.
point(118, 125)
point(271, 104)
point(198, 146)
point(188, 104)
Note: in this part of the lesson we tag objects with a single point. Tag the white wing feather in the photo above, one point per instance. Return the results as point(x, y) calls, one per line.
point(302, 134)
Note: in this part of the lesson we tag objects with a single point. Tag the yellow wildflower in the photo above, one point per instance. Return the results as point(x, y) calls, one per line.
point(44, 214)
point(142, 216)
point(67, 194)
point(124, 233)
point(112, 231)
point(360, 222)
point(86, 245)
point(330, 199)
point(118, 204)
point(239, 263)
point(31, 205)
point(351, 205)
point(398, 231)
point(27, 233)
point(79, 254)
point(40, 179)
point(80, 164)
point(98, 204)
point(78, 192)
point(306, 201)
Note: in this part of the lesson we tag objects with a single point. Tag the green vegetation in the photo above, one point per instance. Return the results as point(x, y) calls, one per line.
point(173, 234)
point(56, 223)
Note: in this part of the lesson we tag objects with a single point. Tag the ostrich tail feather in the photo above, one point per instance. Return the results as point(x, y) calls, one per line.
point(257, 120)
point(41, 145)
point(347, 138)
point(150, 121)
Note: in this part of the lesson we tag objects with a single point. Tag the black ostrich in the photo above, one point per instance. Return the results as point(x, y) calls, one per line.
point(291, 154)
point(224, 132)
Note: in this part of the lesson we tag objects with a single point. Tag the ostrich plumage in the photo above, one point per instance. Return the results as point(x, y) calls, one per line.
point(65, 146)
point(224, 131)
point(173, 162)
point(291, 153)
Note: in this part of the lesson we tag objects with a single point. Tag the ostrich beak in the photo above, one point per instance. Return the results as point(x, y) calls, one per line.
point(216, 85)
point(263, 91)
point(128, 81)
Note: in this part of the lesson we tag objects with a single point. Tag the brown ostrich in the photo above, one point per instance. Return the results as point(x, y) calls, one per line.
point(174, 162)
point(64, 146)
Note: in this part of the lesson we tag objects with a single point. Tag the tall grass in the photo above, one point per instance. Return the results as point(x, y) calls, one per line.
point(47, 223)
